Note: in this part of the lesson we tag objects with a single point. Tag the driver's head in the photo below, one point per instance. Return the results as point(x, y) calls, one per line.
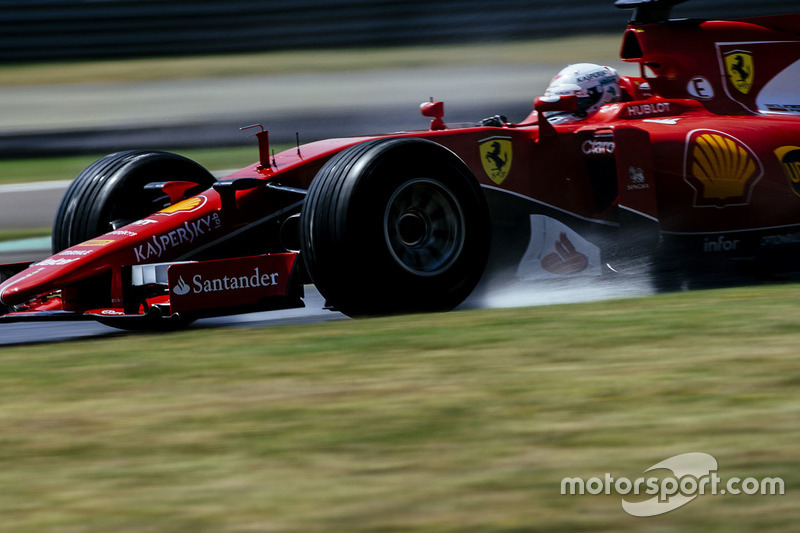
point(594, 85)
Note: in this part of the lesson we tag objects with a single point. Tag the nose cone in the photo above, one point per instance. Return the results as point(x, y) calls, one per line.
point(17, 288)
point(62, 269)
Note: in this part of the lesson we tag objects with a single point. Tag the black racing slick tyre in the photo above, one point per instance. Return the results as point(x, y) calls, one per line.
point(110, 193)
point(395, 225)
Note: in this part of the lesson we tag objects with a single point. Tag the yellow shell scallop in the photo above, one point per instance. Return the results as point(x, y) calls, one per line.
point(722, 165)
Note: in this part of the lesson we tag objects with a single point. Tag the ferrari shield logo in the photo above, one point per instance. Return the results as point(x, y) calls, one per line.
point(739, 67)
point(496, 155)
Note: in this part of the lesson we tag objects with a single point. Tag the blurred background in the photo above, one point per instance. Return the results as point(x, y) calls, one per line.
point(92, 76)
point(44, 30)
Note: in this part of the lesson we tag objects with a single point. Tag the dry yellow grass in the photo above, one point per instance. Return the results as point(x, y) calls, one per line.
point(456, 422)
point(556, 51)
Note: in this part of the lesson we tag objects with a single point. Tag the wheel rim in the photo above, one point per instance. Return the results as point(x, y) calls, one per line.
point(424, 227)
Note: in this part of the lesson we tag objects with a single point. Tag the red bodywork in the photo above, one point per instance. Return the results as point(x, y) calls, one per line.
point(701, 159)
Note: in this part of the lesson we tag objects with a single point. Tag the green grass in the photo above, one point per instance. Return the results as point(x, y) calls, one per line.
point(25, 233)
point(461, 422)
point(67, 167)
point(557, 51)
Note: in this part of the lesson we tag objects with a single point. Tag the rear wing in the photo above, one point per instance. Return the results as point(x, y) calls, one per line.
point(647, 11)
point(731, 66)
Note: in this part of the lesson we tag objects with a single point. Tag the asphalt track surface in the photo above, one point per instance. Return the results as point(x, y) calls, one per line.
point(163, 103)
point(97, 117)
point(105, 117)
point(498, 295)
point(108, 117)
point(30, 205)
point(25, 333)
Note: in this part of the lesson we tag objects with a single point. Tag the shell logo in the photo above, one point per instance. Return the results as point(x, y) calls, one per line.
point(720, 168)
point(789, 157)
point(190, 204)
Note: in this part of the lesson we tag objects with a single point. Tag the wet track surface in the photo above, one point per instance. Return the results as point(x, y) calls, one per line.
point(17, 333)
point(34, 207)
point(496, 294)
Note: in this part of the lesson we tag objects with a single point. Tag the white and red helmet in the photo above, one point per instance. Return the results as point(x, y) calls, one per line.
point(594, 85)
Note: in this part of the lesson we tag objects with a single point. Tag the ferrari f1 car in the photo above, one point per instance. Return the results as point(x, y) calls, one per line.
point(696, 170)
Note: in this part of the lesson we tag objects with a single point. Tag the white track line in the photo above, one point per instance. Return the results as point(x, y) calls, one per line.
point(34, 186)
point(63, 184)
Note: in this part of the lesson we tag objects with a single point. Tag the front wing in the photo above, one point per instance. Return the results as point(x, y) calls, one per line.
point(182, 290)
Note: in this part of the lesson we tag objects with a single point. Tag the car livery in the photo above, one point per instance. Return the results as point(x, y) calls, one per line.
point(695, 172)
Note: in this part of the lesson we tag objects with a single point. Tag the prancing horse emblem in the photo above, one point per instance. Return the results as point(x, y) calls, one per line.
point(496, 153)
point(739, 67)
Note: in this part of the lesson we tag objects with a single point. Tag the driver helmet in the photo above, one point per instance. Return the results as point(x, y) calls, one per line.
point(594, 85)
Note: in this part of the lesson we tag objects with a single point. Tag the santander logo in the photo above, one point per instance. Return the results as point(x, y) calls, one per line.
point(201, 285)
point(236, 282)
point(181, 287)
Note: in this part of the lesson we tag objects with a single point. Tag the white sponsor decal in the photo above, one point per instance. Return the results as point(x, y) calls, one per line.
point(641, 110)
point(76, 252)
point(186, 234)
point(699, 87)
point(556, 251)
point(201, 285)
point(181, 287)
point(720, 245)
point(636, 177)
point(777, 240)
point(598, 147)
point(667, 121)
point(123, 232)
point(56, 262)
point(792, 109)
point(692, 474)
point(143, 222)
point(780, 94)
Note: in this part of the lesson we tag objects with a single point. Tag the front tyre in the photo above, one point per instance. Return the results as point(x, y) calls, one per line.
point(395, 225)
point(110, 193)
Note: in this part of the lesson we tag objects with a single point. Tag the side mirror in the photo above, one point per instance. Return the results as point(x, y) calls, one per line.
point(568, 102)
point(543, 104)
point(434, 110)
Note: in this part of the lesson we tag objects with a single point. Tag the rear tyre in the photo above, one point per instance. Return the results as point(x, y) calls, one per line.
point(110, 193)
point(393, 226)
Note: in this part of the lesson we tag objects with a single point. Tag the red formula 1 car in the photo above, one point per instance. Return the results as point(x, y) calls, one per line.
point(696, 170)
